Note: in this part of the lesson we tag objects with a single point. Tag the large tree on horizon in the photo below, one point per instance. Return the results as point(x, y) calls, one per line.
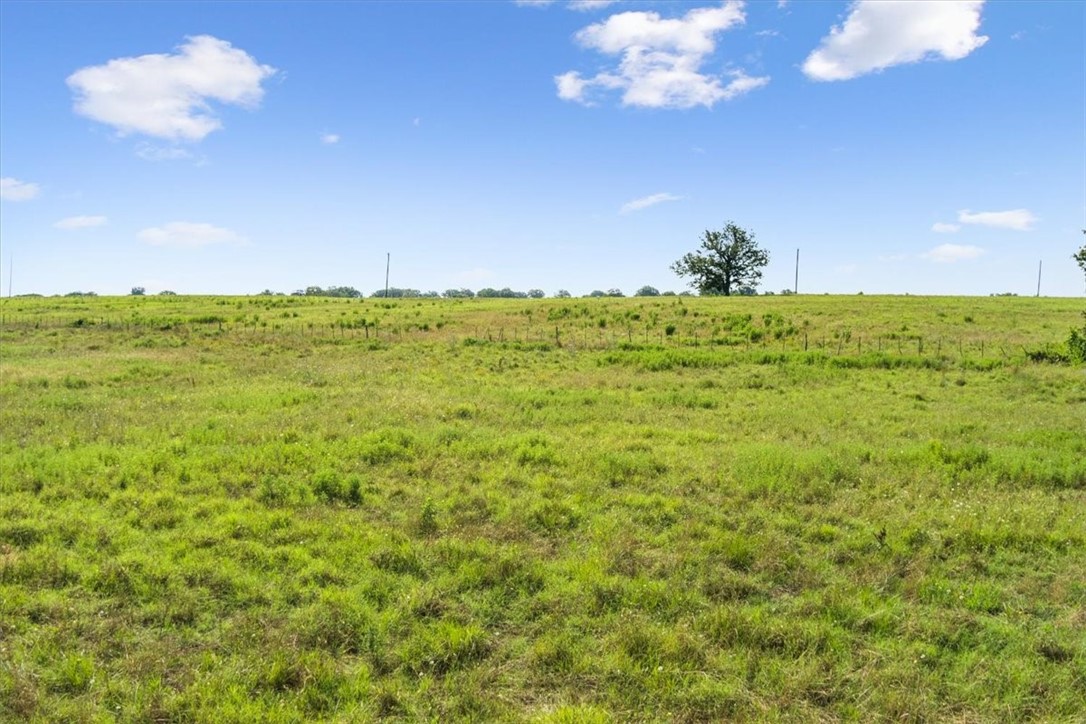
point(728, 260)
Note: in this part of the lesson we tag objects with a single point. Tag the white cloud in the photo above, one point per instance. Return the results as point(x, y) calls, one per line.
point(416, 122)
point(949, 253)
point(12, 189)
point(188, 234)
point(647, 201)
point(571, 86)
point(1018, 219)
point(151, 152)
point(940, 227)
point(661, 59)
point(586, 5)
point(80, 222)
point(768, 33)
point(878, 34)
point(167, 96)
point(330, 139)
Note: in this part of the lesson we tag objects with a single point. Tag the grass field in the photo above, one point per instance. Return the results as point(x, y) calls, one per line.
point(586, 510)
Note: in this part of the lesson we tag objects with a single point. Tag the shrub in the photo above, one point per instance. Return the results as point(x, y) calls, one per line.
point(1076, 343)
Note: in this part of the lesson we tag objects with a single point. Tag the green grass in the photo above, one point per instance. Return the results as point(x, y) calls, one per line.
point(788, 508)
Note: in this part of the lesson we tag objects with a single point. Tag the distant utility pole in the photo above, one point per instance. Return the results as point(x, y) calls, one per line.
point(1039, 277)
point(388, 263)
point(795, 287)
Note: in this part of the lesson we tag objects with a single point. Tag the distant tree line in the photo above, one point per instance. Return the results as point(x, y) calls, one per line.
point(464, 293)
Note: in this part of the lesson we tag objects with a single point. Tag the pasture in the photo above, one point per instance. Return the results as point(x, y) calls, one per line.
point(797, 508)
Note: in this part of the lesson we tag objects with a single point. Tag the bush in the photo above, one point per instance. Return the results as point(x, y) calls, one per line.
point(1076, 343)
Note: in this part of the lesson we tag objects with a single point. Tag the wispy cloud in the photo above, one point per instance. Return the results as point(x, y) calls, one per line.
point(12, 189)
point(660, 60)
point(647, 201)
point(187, 234)
point(879, 34)
point(1018, 219)
point(940, 227)
point(950, 253)
point(80, 222)
point(151, 152)
point(330, 139)
point(168, 95)
point(588, 5)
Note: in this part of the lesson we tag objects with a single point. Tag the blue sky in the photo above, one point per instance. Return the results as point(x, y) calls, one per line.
point(927, 148)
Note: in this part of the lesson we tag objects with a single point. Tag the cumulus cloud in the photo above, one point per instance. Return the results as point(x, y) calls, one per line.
point(12, 189)
point(878, 34)
point(660, 60)
point(949, 253)
point(1018, 219)
point(168, 95)
point(330, 139)
point(80, 222)
point(188, 235)
point(940, 227)
point(647, 201)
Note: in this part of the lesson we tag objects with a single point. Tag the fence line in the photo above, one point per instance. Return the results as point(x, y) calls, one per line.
point(569, 336)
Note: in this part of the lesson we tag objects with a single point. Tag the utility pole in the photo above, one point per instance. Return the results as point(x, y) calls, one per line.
point(388, 263)
point(795, 287)
point(1039, 277)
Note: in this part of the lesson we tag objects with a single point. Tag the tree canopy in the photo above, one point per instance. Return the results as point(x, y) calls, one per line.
point(729, 262)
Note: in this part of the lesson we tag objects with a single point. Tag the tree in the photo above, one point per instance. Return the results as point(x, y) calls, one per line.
point(731, 261)
point(647, 291)
point(536, 294)
point(138, 291)
point(461, 293)
point(1080, 256)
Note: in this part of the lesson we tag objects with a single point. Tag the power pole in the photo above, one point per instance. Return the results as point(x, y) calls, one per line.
point(1039, 277)
point(795, 287)
point(388, 263)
